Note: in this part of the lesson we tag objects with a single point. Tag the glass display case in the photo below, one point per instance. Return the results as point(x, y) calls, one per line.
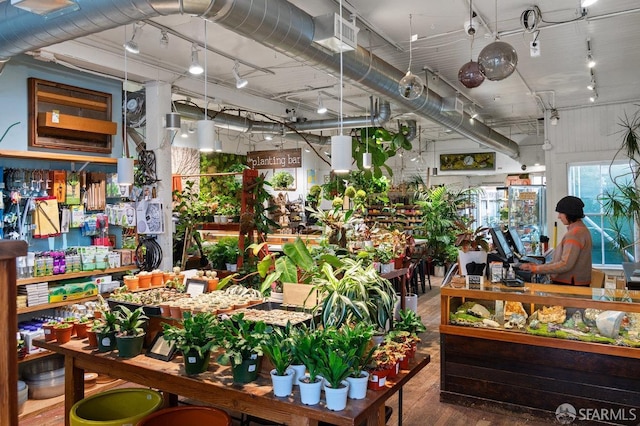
point(528, 214)
point(536, 347)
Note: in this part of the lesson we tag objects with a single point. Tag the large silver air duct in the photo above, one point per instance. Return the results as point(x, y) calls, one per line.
point(274, 23)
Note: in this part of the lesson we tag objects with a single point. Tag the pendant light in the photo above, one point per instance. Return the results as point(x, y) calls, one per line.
point(125, 164)
point(469, 74)
point(206, 127)
point(410, 86)
point(367, 159)
point(341, 144)
point(497, 60)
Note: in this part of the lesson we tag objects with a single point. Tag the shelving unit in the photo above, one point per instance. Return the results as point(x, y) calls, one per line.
point(406, 217)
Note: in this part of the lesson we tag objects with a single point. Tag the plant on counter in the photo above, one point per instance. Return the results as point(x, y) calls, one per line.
point(240, 338)
point(224, 251)
point(337, 223)
point(278, 348)
point(352, 292)
point(470, 238)
point(129, 331)
point(194, 337)
point(410, 322)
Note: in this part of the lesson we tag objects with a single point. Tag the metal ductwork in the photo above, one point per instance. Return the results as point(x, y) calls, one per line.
point(291, 130)
point(274, 23)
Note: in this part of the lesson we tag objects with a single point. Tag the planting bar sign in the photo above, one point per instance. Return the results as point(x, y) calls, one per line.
point(275, 159)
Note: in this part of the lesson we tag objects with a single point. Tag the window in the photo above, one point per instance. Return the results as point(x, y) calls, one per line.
point(589, 182)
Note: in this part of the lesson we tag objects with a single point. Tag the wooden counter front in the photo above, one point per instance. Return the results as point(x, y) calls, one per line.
point(216, 387)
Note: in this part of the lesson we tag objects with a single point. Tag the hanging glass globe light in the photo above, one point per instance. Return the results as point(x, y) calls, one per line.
point(498, 60)
point(470, 75)
point(410, 86)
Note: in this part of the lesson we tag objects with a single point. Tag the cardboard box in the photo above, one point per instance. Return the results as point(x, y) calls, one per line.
point(75, 291)
point(295, 295)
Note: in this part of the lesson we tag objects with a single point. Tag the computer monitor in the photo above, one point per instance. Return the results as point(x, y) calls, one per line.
point(515, 241)
point(501, 244)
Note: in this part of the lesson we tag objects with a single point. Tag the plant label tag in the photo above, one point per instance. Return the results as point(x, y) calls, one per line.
point(251, 368)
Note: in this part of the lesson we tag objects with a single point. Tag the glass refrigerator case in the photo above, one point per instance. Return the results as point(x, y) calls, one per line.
point(528, 214)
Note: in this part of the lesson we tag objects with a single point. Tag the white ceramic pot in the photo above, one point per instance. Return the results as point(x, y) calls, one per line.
point(438, 270)
point(310, 392)
point(299, 370)
point(385, 268)
point(282, 385)
point(358, 386)
point(410, 303)
point(336, 398)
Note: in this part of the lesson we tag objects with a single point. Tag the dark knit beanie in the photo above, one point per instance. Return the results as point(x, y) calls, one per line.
point(571, 206)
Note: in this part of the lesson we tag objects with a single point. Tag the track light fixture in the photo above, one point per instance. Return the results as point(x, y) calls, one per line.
point(321, 108)
point(195, 68)
point(131, 45)
point(240, 82)
point(554, 117)
point(591, 62)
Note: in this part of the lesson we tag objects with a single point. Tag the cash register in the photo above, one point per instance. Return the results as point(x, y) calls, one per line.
point(510, 251)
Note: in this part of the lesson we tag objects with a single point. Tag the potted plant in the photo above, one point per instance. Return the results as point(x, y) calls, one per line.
point(353, 292)
point(357, 337)
point(305, 347)
point(194, 337)
point(282, 180)
point(223, 252)
point(106, 332)
point(129, 331)
point(335, 365)
point(82, 327)
point(277, 347)
point(473, 246)
point(242, 341)
point(384, 256)
point(49, 330)
point(63, 331)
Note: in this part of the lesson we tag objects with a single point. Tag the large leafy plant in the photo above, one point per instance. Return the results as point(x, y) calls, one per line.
point(196, 332)
point(241, 338)
point(130, 322)
point(354, 293)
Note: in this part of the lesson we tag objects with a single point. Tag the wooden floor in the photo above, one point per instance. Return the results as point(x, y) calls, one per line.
point(421, 401)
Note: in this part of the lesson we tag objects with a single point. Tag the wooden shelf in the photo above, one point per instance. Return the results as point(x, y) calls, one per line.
point(63, 123)
point(33, 407)
point(31, 357)
point(60, 99)
point(38, 155)
point(60, 277)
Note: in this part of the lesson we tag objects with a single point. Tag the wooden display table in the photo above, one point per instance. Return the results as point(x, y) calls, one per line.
point(216, 387)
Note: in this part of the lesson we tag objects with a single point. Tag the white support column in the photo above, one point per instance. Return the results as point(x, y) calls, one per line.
point(158, 103)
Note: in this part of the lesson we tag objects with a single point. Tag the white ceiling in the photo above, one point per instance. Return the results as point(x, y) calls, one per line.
point(557, 78)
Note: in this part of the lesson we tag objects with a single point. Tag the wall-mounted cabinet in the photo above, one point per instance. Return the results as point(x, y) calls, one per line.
point(70, 118)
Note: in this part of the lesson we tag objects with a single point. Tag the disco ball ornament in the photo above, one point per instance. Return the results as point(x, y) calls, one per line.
point(498, 60)
point(470, 75)
point(410, 86)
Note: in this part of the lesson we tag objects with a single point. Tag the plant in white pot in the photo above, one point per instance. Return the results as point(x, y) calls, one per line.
point(473, 246)
point(278, 349)
point(357, 340)
point(305, 347)
point(335, 366)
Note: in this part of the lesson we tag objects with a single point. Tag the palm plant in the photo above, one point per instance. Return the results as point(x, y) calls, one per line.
point(278, 348)
point(130, 323)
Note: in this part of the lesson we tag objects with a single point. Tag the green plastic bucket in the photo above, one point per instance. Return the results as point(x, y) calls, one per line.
point(118, 407)
point(187, 416)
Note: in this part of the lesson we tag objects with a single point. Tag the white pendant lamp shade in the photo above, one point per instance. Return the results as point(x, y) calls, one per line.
point(125, 171)
point(341, 153)
point(206, 135)
point(367, 160)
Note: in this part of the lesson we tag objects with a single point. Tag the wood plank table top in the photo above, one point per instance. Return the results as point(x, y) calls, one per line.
point(216, 387)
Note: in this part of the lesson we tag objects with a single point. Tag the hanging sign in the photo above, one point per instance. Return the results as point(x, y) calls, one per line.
point(275, 159)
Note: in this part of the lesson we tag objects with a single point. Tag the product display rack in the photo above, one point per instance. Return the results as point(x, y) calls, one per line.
point(535, 373)
point(406, 216)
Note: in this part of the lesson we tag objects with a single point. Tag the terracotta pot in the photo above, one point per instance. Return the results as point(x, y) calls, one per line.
point(156, 279)
point(212, 284)
point(144, 281)
point(81, 330)
point(132, 283)
point(63, 334)
point(49, 332)
point(176, 312)
point(92, 339)
point(165, 310)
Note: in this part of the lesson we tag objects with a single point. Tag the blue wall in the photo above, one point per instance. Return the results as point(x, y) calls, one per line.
point(14, 109)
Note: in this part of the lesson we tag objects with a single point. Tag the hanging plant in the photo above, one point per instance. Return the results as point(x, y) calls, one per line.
point(382, 144)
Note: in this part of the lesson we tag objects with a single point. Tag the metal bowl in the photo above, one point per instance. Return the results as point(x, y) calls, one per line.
point(44, 368)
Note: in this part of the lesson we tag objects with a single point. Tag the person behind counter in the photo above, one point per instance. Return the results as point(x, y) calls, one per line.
point(571, 263)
